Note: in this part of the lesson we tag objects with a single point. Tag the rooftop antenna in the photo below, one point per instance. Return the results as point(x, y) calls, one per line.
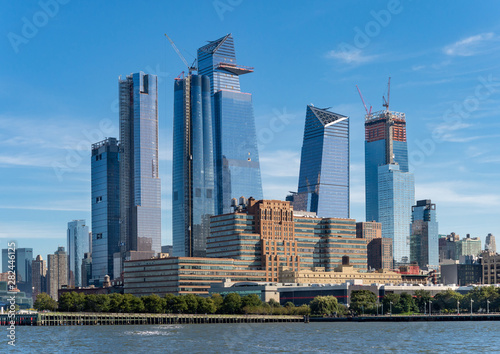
point(191, 67)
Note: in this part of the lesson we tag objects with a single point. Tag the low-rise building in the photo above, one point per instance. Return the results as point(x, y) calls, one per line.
point(183, 275)
point(491, 268)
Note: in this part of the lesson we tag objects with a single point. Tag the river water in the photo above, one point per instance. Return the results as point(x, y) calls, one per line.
point(416, 337)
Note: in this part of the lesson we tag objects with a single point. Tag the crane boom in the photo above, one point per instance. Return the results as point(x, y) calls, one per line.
point(178, 53)
point(386, 102)
point(364, 104)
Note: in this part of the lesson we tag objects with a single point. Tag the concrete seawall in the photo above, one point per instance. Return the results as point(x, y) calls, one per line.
point(416, 318)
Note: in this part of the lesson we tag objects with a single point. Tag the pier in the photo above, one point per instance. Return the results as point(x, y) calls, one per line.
point(414, 318)
point(94, 319)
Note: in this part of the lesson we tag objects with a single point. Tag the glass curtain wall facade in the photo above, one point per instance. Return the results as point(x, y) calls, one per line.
point(385, 142)
point(193, 186)
point(236, 156)
point(324, 167)
point(78, 245)
point(424, 239)
point(22, 267)
point(105, 179)
point(140, 191)
point(396, 195)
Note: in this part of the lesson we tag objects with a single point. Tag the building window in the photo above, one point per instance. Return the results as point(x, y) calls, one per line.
point(98, 236)
point(98, 199)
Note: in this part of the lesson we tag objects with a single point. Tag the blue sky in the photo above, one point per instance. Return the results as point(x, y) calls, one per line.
point(59, 86)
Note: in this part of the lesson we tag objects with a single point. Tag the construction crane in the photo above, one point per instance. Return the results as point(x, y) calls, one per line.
point(191, 67)
point(368, 112)
point(386, 102)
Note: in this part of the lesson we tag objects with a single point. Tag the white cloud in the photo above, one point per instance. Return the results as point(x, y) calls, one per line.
point(469, 46)
point(280, 163)
point(453, 193)
point(354, 56)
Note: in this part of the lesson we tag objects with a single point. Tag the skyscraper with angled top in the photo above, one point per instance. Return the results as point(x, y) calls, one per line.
point(390, 189)
point(324, 165)
point(236, 156)
point(140, 194)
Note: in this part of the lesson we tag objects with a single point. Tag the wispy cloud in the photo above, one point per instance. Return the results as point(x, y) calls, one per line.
point(354, 56)
point(456, 193)
point(470, 46)
point(281, 163)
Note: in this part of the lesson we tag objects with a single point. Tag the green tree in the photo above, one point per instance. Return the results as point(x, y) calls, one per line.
point(406, 303)
point(45, 302)
point(447, 300)
point(386, 301)
point(363, 301)
point(206, 305)
point(218, 300)
point(115, 302)
point(179, 305)
point(153, 304)
point(324, 305)
point(191, 302)
point(168, 302)
point(422, 298)
point(231, 303)
point(66, 301)
point(252, 300)
point(136, 304)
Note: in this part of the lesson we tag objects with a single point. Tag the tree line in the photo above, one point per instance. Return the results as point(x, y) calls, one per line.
point(361, 302)
point(232, 303)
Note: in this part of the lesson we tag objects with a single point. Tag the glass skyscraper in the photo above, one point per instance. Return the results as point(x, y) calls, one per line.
point(324, 165)
point(390, 187)
point(193, 186)
point(424, 239)
point(140, 193)
point(236, 156)
point(105, 203)
point(22, 267)
point(78, 245)
point(385, 143)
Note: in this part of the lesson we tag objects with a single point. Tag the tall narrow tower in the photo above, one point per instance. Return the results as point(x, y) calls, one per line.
point(193, 186)
point(78, 245)
point(105, 204)
point(140, 193)
point(236, 162)
point(424, 239)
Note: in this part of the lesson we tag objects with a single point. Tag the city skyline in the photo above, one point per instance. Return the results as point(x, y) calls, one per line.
point(47, 174)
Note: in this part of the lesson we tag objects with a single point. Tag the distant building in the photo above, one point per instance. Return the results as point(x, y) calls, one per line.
point(339, 275)
point(22, 267)
point(193, 184)
point(379, 253)
point(140, 185)
point(379, 250)
point(368, 230)
point(105, 171)
point(448, 247)
point(183, 275)
point(491, 268)
point(167, 249)
point(469, 246)
point(78, 245)
point(269, 234)
point(57, 272)
point(424, 238)
point(21, 299)
point(466, 271)
point(86, 269)
point(324, 167)
point(490, 244)
point(39, 276)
